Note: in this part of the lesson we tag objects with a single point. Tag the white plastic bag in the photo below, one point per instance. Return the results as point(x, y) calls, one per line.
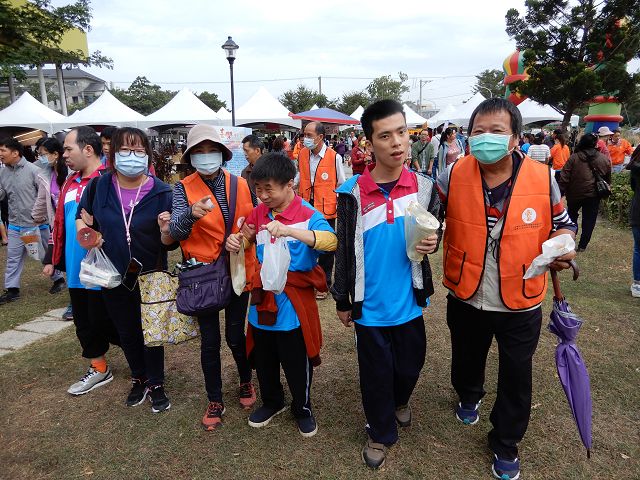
point(275, 263)
point(96, 270)
point(238, 271)
point(419, 223)
point(551, 249)
point(33, 243)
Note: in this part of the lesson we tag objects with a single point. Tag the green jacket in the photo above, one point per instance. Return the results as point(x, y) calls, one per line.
point(422, 155)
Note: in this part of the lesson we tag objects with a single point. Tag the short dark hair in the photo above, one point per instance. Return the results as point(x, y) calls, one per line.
point(318, 127)
point(12, 144)
point(108, 132)
point(377, 111)
point(498, 104)
point(254, 142)
point(131, 134)
point(274, 166)
point(278, 143)
point(538, 138)
point(88, 136)
point(587, 142)
point(616, 130)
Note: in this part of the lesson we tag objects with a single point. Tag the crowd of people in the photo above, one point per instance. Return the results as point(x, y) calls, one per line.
point(496, 189)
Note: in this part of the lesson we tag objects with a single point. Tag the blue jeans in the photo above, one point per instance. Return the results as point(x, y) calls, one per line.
point(636, 253)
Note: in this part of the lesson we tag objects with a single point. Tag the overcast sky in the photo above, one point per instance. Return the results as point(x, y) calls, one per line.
point(178, 43)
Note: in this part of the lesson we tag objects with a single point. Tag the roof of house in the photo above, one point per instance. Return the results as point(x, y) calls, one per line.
point(72, 73)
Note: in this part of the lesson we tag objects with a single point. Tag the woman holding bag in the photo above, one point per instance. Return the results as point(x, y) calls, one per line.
point(201, 216)
point(130, 209)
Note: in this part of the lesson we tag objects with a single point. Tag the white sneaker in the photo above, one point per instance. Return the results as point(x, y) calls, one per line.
point(635, 290)
point(90, 380)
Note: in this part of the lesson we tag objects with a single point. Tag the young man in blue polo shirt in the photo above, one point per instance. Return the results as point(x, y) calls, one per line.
point(376, 286)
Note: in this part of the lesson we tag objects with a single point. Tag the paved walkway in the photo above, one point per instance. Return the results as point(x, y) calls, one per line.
point(41, 327)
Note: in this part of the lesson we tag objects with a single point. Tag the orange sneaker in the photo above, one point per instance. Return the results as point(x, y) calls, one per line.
point(213, 416)
point(247, 395)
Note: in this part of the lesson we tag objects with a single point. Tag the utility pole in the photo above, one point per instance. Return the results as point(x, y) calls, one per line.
point(422, 82)
point(320, 85)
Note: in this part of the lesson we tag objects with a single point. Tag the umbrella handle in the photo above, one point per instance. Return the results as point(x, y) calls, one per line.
point(557, 293)
point(576, 269)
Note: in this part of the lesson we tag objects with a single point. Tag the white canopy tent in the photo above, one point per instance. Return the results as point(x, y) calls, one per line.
point(224, 114)
point(413, 119)
point(28, 112)
point(441, 117)
point(314, 107)
point(106, 110)
point(534, 112)
point(357, 114)
point(262, 108)
point(183, 109)
point(462, 114)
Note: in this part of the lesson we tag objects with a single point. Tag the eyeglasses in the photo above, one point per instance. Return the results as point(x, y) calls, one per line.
point(126, 152)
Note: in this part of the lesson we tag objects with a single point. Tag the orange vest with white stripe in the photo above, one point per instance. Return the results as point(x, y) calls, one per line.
point(205, 242)
point(528, 221)
point(322, 192)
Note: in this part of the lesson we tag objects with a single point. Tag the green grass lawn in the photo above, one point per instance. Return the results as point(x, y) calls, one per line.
point(45, 433)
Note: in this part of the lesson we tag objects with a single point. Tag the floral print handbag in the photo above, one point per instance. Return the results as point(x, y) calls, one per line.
point(162, 324)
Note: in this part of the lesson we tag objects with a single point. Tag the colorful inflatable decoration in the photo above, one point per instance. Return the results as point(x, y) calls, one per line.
point(514, 70)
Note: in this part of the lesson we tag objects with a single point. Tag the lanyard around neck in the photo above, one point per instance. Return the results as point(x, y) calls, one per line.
point(127, 221)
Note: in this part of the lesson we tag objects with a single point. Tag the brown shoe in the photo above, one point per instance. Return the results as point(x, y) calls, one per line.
point(374, 454)
point(403, 416)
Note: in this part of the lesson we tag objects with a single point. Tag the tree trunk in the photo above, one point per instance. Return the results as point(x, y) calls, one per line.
point(12, 89)
point(43, 87)
point(566, 120)
point(63, 95)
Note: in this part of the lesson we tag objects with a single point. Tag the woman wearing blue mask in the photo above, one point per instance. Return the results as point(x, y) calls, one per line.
point(131, 210)
point(55, 172)
point(199, 219)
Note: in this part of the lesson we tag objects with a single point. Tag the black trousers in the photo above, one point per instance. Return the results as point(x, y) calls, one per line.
point(123, 307)
point(326, 259)
point(389, 360)
point(273, 349)
point(517, 334)
point(590, 207)
point(94, 329)
point(234, 316)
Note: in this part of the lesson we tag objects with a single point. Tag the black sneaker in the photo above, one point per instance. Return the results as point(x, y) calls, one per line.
point(68, 314)
point(307, 426)
point(9, 295)
point(159, 400)
point(263, 415)
point(57, 286)
point(138, 393)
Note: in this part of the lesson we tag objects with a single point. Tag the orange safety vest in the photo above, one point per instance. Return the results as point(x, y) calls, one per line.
point(528, 221)
point(205, 241)
point(322, 193)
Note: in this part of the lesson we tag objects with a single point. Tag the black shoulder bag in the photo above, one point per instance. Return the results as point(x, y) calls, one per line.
point(603, 189)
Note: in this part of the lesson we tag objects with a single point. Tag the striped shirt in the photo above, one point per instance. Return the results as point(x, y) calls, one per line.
point(182, 220)
point(540, 153)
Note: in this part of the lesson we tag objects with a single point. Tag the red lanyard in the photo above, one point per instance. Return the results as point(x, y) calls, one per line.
point(127, 221)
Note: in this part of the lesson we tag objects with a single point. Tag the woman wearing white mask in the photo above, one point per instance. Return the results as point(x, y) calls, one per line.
point(50, 182)
point(131, 210)
point(199, 217)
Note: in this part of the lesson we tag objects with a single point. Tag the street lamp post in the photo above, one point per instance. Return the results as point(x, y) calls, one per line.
point(230, 48)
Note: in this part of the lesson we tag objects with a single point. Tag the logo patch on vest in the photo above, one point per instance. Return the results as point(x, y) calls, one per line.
point(529, 215)
point(324, 176)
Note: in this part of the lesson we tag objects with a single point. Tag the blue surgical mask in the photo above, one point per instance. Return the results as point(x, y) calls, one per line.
point(44, 160)
point(206, 163)
point(489, 148)
point(131, 166)
point(309, 143)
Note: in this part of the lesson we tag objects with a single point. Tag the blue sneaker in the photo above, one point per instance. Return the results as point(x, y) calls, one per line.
point(467, 413)
point(505, 469)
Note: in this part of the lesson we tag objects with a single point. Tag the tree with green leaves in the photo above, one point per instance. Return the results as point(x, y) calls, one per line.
point(386, 87)
point(352, 100)
point(302, 99)
point(575, 51)
point(489, 83)
point(33, 88)
point(31, 35)
point(143, 96)
point(211, 100)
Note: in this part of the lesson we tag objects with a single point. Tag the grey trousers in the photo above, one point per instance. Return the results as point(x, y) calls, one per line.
point(16, 253)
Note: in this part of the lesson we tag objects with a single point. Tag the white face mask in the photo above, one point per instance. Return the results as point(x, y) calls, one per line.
point(206, 163)
point(309, 143)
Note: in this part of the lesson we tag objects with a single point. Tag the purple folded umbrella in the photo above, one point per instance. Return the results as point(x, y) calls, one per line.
point(571, 368)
